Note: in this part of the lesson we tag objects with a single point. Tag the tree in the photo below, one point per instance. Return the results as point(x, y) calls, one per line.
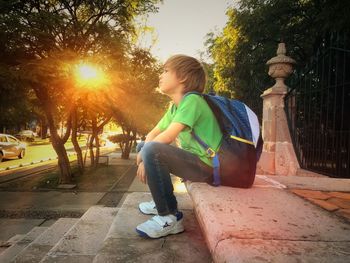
point(36, 33)
point(251, 35)
point(136, 104)
point(15, 104)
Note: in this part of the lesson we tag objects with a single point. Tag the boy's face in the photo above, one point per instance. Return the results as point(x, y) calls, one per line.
point(168, 81)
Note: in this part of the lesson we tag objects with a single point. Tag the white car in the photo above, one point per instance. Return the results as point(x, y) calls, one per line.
point(11, 147)
point(26, 135)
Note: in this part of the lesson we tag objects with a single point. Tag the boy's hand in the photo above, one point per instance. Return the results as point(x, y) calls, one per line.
point(141, 173)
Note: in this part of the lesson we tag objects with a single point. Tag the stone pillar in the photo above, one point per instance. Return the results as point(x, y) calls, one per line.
point(278, 157)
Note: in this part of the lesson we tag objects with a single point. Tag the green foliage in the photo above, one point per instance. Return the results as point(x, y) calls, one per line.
point(42, 40)
point(253, 31)
point(136, 104)
point(40, 36)
point(15, 108)
point(120, 138)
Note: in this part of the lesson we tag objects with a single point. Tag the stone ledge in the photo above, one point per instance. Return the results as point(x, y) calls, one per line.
point(230, 217)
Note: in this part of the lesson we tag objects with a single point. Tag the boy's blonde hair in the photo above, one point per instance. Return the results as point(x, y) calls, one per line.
point(189, 70)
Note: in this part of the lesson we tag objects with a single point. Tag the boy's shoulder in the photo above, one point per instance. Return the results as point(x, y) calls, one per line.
point(193, 97)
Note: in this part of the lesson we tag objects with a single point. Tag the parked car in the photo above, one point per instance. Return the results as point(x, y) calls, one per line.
point(26, 135)
point(11, 147)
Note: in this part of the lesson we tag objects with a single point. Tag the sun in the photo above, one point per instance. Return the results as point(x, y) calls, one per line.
point(88, 72)
point(90, 76)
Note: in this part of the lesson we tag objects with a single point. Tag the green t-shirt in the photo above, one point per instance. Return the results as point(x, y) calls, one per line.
point(194, 112)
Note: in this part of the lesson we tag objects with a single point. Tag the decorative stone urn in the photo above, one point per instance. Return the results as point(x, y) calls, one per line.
point(280, 67)
point(278, 155)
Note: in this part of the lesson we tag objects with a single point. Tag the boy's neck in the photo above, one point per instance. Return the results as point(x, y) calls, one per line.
point(176, 98)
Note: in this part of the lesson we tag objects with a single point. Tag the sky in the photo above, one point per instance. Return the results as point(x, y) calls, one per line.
point(181, 26)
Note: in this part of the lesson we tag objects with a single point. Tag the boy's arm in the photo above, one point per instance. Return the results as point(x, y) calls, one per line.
point(170, 134)
point(152, 134)
point(167, 136)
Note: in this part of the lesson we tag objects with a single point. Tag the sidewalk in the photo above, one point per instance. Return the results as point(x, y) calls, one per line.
point(21, 211)
point(331, 194)
point(267, 223)
point(279, 219)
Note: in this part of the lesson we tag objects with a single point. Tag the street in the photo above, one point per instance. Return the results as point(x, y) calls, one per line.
point(41, 151)
point(36, 152)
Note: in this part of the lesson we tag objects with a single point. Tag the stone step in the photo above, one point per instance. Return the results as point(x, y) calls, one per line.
point(123, 244)
point(6, 244)
point(36, 250)
point(13, 240)
point(307, 173)
point(15, 249)
point(82, 242)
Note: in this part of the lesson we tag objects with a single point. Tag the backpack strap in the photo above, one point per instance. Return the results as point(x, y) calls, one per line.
point(213, 155)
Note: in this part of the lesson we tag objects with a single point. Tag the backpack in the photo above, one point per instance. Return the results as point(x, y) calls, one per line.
point(235, 162)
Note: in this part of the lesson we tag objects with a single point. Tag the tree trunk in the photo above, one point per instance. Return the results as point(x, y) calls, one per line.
point(126, 152)
point(127, 145)
point(75, 142)
point(57, 142)
point(58, 145)
point(43, 128)
point(91, 148)
point(97, 155)
point(63, 162)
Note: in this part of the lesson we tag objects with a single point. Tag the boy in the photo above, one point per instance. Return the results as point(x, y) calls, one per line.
point(158, 158)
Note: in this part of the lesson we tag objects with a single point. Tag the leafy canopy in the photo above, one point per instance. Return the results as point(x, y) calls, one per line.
point(252, 33)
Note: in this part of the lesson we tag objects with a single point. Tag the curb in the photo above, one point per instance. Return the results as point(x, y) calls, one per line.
point(39, 213)
point(32, 162)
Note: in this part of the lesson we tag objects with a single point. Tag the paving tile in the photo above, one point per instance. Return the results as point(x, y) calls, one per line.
point(341, 195)
point(85, 238)
point(10, 227)
point(71, 259)
point(311, 194)
point(12, 251)
point(342, 203)
point(123, 244)
point(125, 250)
point(41, 245)
point(324, 204)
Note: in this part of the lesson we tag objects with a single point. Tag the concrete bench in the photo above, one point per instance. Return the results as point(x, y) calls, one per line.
point(104, 159)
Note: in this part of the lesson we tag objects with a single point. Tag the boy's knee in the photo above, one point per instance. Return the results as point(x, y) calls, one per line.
point(150, 148)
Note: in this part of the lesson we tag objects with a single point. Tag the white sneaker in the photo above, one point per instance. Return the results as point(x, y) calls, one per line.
point(148, 208)
point(160, 226)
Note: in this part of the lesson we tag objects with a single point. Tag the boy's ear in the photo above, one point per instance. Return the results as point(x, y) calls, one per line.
point(182, 81)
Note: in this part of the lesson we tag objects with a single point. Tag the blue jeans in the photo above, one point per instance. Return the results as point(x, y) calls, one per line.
point(162, 159)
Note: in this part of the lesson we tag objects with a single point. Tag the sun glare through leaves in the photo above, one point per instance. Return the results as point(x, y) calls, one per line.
point(90, 76)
